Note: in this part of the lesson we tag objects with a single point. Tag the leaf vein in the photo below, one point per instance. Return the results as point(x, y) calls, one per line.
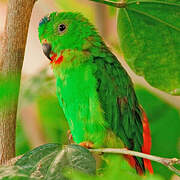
point(155, 18)
point(131, 25)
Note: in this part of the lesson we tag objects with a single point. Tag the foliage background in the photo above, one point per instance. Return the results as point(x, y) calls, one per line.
point(40, 119)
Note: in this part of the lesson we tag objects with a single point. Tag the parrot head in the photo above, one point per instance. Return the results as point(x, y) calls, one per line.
point(65, 31)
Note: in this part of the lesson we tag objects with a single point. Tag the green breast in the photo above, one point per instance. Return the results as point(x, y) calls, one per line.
point(76, 91)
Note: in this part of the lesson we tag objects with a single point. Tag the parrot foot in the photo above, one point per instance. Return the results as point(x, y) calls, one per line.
point(70, 138)
point(87, 144)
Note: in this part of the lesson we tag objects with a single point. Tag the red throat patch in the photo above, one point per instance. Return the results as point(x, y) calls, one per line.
point(53, 58)
point(59, 60)
point(56, 60)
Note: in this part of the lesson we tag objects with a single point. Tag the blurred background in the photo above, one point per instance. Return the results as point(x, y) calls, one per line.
point(40, 119)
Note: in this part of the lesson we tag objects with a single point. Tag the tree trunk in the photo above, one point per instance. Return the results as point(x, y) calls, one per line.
point(11, 60)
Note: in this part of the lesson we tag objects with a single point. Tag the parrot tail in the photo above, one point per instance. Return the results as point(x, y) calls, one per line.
point(146, 148)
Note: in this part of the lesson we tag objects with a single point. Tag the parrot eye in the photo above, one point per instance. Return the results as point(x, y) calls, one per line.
point(61, 28)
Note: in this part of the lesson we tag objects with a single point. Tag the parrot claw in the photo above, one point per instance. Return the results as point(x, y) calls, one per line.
point(87, 144)
point(70, 138)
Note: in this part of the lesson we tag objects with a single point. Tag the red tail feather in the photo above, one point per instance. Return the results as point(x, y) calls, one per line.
point(131, 160)
point(146, 148)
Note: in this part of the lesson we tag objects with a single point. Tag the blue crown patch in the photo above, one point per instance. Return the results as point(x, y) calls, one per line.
point(44, 20)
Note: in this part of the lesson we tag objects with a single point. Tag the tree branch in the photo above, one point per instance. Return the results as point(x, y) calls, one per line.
point(112, 3)
point(168, 162)
point(11, 61)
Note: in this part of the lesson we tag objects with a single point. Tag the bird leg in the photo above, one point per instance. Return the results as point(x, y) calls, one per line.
point(70, 138)
point(87, 144)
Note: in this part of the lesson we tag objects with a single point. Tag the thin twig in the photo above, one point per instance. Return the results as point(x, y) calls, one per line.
point(111, 3)
point(168, 162)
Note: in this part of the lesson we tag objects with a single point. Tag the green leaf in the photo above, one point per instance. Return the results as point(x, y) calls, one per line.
point(149, 32)
point(50, 162)
point(72, 157)
point(13, 173)
point(164, 122)
point(36, 162)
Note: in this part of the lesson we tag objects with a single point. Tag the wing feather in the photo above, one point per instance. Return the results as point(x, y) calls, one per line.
point(119, 102)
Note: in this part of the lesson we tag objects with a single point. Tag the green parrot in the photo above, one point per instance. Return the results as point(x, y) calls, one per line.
point(93, 89)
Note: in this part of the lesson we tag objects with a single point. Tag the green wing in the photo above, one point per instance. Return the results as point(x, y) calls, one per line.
point(119, 102)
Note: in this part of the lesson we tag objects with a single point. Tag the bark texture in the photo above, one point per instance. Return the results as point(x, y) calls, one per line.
point(12, 50)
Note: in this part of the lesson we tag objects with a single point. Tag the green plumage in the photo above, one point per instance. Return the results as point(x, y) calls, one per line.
point(93, 89)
